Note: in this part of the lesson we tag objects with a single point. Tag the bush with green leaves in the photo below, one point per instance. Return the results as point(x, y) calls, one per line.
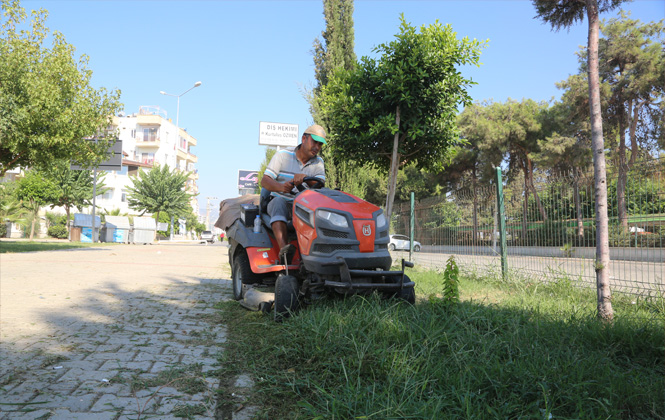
point(58, 231)
point(3, 230)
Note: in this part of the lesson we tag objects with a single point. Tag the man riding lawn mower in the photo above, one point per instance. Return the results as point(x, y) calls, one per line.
point(334, 242)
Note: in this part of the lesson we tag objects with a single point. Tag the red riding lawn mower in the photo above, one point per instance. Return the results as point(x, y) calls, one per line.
point(341, 246)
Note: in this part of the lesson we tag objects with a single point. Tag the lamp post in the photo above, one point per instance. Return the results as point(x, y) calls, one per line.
point(177, 126)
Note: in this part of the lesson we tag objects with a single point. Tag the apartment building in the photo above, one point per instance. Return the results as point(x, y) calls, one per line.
point(148, 138)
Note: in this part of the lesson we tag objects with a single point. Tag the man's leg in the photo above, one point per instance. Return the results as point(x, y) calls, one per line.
point(278, 209)
point(279, 229)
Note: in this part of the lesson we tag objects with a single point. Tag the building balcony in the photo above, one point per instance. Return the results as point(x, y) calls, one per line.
point(148, 141)
point(181, 154)
point(185, 135)
point(148, 120)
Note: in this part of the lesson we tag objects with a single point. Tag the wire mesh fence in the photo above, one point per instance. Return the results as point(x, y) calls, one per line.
point(550, 228)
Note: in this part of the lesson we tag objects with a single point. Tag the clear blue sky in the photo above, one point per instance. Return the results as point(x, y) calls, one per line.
point(254, 59)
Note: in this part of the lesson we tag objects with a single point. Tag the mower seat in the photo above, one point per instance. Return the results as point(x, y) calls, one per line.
point(263, 210)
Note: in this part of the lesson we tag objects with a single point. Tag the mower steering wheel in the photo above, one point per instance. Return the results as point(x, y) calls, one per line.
point(319, 183)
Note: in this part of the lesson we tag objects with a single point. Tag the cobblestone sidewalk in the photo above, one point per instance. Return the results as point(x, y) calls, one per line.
point(127, 346)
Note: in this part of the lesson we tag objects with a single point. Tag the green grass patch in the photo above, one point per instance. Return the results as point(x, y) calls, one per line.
point(507, 350)
point(8, 246)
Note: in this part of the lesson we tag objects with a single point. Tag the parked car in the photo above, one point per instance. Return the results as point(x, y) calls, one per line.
point(401, 242)
point(207, 236)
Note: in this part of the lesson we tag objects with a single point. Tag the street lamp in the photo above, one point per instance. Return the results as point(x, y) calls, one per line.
point(177, 125)
point(177, 114)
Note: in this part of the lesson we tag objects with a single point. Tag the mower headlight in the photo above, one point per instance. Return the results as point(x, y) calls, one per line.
point(380, 221)
point(334, 218)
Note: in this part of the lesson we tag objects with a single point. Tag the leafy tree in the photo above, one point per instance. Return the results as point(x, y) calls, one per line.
point(35, 191)
point(474, 163)
point(632, 63)
point(401, 108)
point(42, 91)
point(334, 50)
point(74, 189)
point(563, 14)
point(159, 190)
point(266, 160)
point(11, 209)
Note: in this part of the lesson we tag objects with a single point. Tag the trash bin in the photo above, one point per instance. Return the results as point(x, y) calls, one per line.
point(84, 222)
point(116, 229)
point(144, 230)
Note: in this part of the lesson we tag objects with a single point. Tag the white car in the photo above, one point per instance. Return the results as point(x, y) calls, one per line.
point(207, 236)
point(401, 242)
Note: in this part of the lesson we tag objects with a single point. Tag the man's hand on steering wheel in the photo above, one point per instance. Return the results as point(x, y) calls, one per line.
point(310, 181)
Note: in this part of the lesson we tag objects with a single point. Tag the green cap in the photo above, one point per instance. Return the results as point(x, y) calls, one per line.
point(317, 132)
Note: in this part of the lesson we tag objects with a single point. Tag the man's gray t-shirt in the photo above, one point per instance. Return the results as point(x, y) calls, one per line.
point(284, 165)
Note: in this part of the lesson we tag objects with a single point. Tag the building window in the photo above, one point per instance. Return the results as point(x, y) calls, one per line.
point(148, 157)
point(123, 196)
point(149, 134)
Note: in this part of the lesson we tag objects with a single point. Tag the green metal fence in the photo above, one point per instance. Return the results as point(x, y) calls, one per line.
point(549, 232)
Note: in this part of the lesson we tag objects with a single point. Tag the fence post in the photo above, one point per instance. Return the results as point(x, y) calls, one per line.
point(412, 222)
point(502, 223)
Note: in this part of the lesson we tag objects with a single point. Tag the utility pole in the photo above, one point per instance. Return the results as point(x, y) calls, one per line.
point(208, 211)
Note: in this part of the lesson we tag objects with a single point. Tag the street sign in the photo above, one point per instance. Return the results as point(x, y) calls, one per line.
point(278, 134)
point(113, 163)
point(247, 179)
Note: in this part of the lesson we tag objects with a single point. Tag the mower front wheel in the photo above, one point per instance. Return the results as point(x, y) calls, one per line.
point(242, 274)
point(286, 296)
point(407, 294)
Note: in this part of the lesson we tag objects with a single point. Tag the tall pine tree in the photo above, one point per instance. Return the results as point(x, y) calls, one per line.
point(333, 50)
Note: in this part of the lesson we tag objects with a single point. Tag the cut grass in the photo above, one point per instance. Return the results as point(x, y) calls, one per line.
point(515, 350)
point(9, 246)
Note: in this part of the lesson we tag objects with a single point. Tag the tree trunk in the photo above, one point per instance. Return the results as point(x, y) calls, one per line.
point(35, 214)
point(69, 228)
point(528, 176)
point(578, 210)
point(394, 166)
point(622, 211)
point(604, 305)
point(625, 165)
point(525, 211)
point(475, 207)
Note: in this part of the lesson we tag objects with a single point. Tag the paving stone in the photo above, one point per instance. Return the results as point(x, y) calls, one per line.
point(111, 401)
point(100, 387)
point(87, 375)
point(164, 358)
point(116, 365)
point(64, 414)
point(119, 356)
point(31, 415)
point(80, 364)
point(244, 381)
point(77, 403)
point(160, 366)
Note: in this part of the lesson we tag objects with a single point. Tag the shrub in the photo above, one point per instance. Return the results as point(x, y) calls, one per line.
point(58, 231)
point(3, 230)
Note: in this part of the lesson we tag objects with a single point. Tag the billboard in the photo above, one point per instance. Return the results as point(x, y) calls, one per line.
point(247, 179)
point(113, 161)
point(278, 134)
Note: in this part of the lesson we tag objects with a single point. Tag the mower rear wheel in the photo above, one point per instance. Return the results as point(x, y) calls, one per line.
point(286, 296)
point(242, 274)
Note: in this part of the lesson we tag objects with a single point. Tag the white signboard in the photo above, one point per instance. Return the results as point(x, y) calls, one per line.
point(278, 134)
